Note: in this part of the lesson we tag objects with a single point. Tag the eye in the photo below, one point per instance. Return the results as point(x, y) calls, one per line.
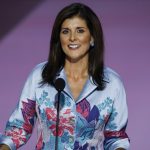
point(80, 30)
point(64, 31)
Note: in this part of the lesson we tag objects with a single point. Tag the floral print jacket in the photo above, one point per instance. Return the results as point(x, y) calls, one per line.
point(95, 121)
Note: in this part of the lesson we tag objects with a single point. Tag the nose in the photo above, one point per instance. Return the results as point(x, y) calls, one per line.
point(72, 37)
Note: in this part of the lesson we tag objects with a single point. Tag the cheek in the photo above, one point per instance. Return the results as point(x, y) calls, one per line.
point(85, 40)
point(63, 45)
point(63, 42)
point(86, 43)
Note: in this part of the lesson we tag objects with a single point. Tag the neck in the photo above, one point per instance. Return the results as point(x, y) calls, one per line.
point(76, 70)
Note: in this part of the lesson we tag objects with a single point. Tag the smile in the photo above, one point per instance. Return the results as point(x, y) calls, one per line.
point(73, 46)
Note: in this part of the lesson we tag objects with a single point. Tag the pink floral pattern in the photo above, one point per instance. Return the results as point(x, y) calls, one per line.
point(65, 121)
point(17, 135)
point(28, 112)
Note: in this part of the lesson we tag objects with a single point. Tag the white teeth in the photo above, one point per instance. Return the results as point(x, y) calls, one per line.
point(73, 46)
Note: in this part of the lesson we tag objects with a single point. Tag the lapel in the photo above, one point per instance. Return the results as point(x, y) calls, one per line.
point(66, 89)
point(88, 88)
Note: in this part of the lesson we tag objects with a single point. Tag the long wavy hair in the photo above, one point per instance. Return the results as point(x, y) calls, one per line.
point(56, 58)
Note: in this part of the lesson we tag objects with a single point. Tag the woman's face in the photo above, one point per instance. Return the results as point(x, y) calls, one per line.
point(75, 38)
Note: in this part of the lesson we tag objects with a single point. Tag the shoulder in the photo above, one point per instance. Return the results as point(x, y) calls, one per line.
point(39, 67)
point(36, 73)
point(112, 77)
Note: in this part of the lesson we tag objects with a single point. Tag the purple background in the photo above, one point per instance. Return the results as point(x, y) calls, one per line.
point(126, 26)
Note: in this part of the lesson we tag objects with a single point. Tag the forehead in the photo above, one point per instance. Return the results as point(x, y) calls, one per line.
point(75, 21)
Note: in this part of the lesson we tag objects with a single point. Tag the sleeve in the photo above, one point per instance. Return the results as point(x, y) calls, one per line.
point(20, 124)
point(115, 129)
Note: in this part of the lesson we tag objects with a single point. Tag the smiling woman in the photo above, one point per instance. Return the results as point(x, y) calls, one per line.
point(75, 39)
point(94, 112)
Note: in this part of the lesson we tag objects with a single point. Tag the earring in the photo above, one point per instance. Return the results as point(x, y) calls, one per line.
point(92, 43)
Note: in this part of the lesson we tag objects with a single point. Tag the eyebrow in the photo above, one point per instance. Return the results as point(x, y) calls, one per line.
point(76, 28)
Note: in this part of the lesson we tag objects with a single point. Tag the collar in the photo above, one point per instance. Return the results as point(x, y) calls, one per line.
point(88, 88)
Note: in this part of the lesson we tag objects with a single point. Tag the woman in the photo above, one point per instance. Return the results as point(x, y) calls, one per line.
point(93, 113)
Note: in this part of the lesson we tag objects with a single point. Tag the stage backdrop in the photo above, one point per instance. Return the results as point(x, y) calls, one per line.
point(24, 42)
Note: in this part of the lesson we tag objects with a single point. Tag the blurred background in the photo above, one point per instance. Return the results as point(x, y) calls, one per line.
point(25, 29)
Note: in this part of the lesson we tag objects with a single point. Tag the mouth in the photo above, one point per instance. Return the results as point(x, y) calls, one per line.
point(73, 46)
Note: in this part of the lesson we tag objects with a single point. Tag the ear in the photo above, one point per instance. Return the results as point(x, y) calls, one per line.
point(92, 41)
